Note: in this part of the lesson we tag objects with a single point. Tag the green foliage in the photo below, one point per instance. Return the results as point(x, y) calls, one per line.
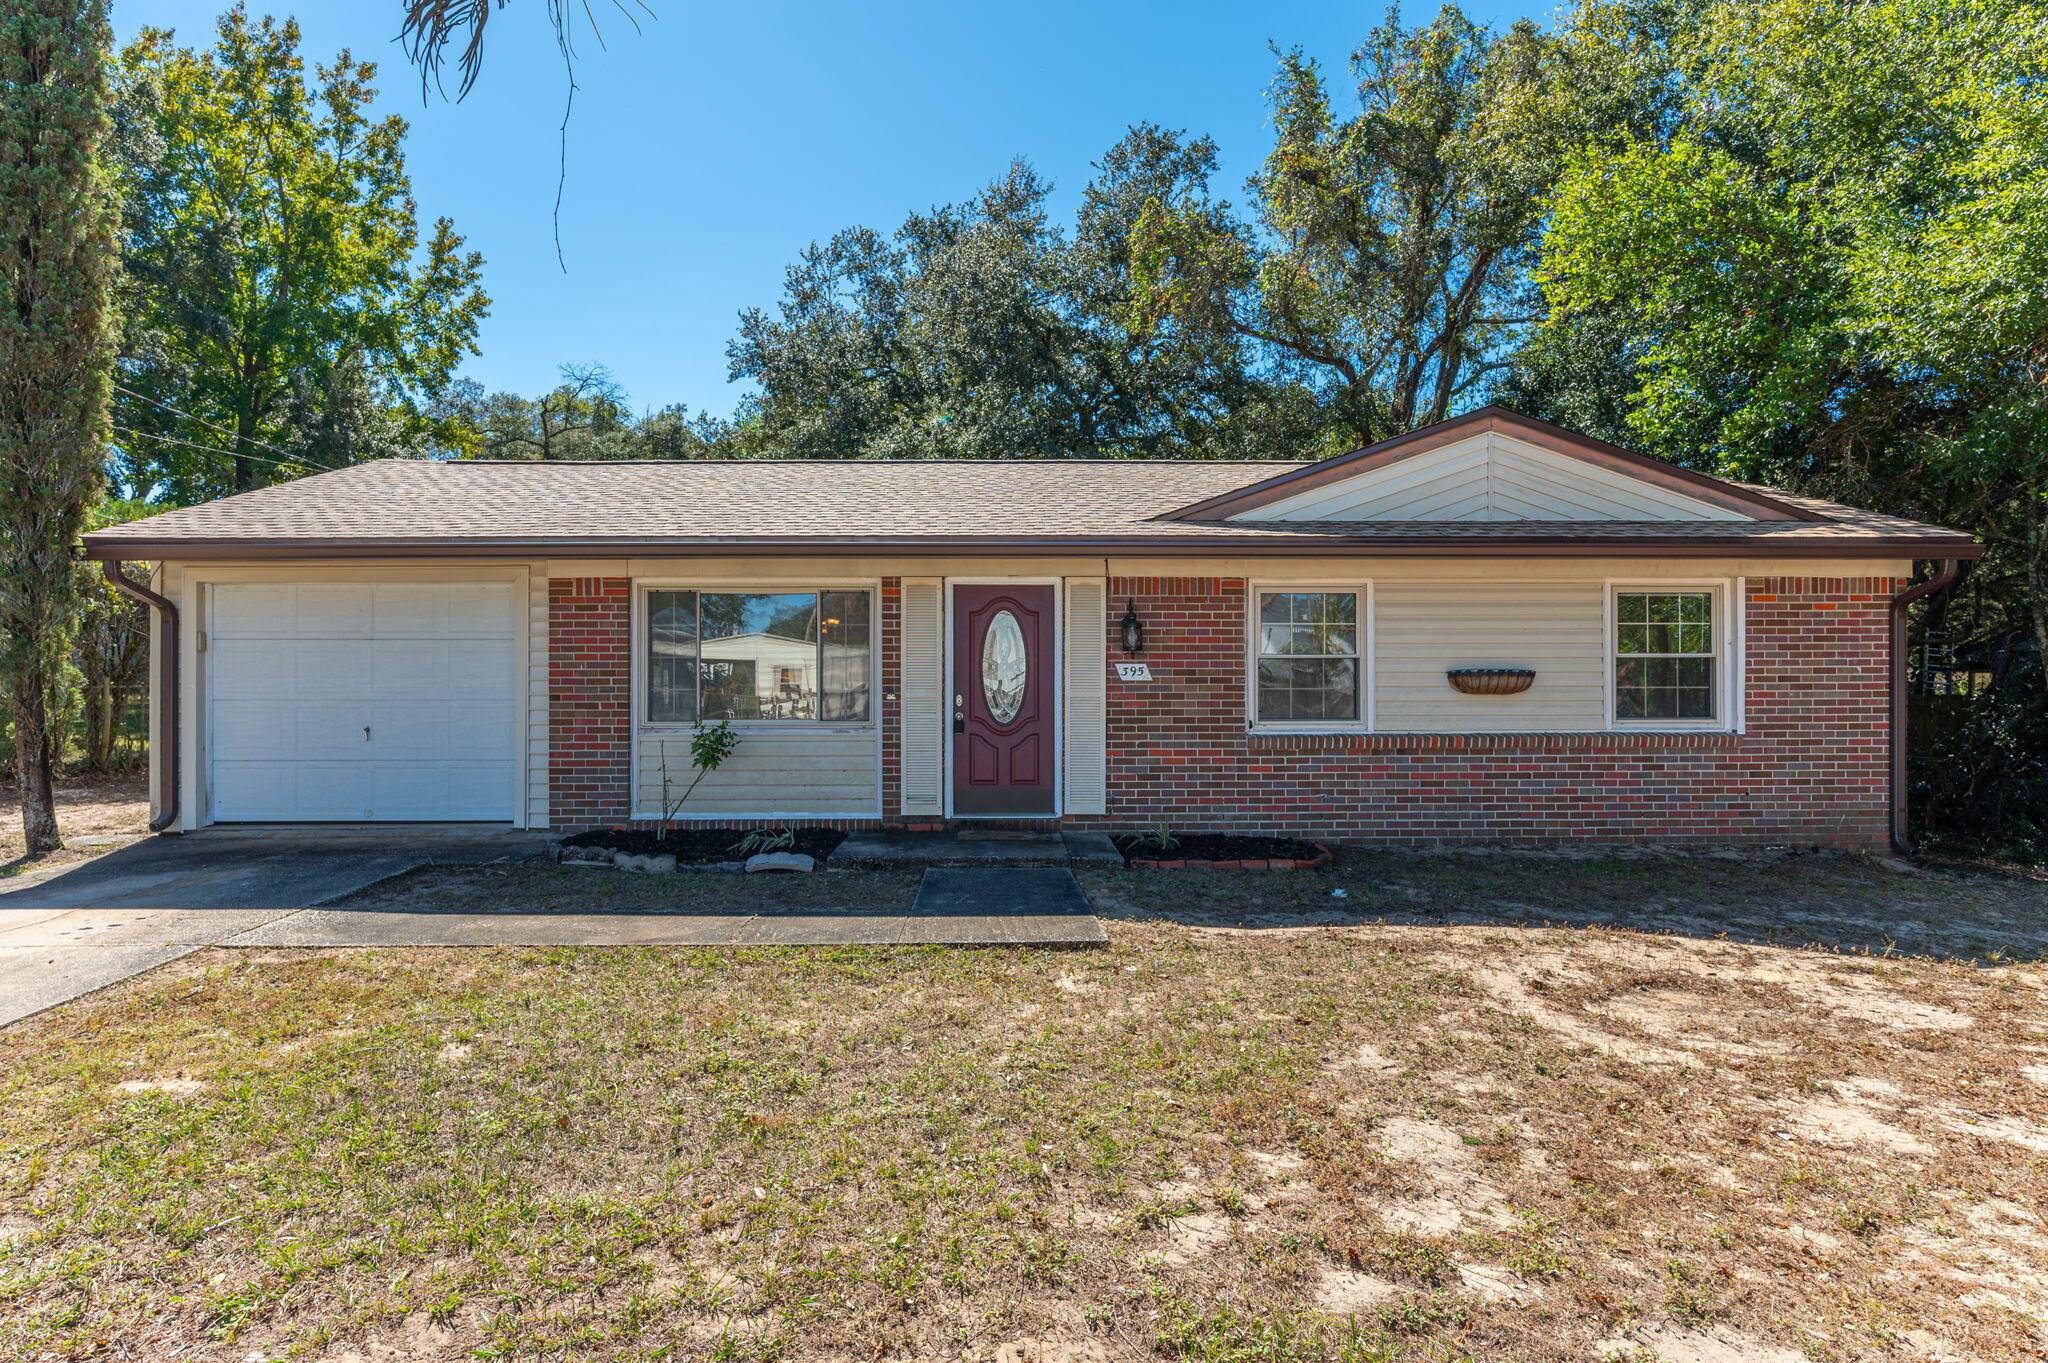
point(57, 238)
point(764, 840)
point(1983, 790)
point(277, 289)
point(1386, 267)
point(586, 416)
point(710, 745)
point(1160, 837)
point(984, 330)
point(1829, 265)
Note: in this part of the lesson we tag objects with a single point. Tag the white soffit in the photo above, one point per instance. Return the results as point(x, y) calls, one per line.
point(1491, 477)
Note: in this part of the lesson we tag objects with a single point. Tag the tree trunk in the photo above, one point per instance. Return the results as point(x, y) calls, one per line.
point(34, 768)
point(104, 722)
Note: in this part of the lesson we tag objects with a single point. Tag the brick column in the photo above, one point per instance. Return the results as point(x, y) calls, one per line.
point(590, 712)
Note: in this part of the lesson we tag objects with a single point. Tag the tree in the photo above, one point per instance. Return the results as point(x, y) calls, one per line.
point(1386, 266)
point(277, 290)
point(110, 649)
point(57, 237)
point(1835, 263)
point(586, 416)
point(1829, 271)
point(985, 330)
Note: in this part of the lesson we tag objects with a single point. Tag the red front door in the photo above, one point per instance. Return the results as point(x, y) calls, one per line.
point(1003, 703)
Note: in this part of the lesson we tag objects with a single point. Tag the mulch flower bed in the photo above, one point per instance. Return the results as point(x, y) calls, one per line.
point(702, 846)
point(1222, 851)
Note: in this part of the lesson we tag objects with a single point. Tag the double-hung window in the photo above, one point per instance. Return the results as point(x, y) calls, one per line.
point(768, 655)
point(1667, 657)
point(1307, 663)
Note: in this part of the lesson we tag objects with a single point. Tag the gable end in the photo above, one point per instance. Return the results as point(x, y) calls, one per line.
point(1493, 465)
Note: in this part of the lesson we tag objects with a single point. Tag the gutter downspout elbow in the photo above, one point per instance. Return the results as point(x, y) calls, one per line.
point(1948, 571)
point(167, 686)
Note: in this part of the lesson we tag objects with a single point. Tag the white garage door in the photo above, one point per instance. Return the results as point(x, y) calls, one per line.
point(345, 701)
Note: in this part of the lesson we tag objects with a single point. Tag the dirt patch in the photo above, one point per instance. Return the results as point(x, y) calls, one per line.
point(95, 815)
point(176, 1088)
point(1346, 1293)
point(1692, 1344)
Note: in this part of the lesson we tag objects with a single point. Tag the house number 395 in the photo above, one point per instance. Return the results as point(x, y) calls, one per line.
point(1134, 672)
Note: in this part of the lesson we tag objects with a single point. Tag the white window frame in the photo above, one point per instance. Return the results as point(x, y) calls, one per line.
point(1367, 663)
point(643, 588)
point(1728, 625)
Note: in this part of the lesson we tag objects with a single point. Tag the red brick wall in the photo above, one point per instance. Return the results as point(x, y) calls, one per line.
point(1810, 768)
point(590, 711)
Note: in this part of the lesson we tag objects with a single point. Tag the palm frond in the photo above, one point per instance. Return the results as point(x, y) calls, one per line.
point(435, 28)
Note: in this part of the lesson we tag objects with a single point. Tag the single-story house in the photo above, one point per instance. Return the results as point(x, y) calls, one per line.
point(1491, 629)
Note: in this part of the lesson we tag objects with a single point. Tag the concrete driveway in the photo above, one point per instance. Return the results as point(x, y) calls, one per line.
point(101, 921)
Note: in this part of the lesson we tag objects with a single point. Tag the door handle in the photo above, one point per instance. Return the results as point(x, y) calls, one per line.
point(959, 721)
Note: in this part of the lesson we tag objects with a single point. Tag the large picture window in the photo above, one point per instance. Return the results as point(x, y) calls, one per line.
point(758, 655)
point(1308, 657)
point(1666, 657)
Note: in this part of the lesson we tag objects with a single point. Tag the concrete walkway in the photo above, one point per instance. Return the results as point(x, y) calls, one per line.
point(101, 921)
point(51, 956)
point(149, 904)
point(265, 866)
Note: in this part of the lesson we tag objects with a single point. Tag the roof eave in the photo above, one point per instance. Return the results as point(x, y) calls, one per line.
point(139, 549)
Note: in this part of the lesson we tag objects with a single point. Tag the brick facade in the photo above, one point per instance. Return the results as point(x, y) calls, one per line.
point(590, 710)
point(1810, 767)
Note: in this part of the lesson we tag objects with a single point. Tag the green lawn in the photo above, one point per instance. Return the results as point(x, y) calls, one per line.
point(1375, 1142)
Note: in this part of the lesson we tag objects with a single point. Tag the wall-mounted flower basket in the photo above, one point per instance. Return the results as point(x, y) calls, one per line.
point(1491, 681)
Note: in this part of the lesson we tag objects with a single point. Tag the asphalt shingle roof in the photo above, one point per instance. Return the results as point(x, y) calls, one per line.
point(478, 507)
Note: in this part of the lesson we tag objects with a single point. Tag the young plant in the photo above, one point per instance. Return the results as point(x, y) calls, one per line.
point(764, 840)
point(710, 745)
point(1160, 837)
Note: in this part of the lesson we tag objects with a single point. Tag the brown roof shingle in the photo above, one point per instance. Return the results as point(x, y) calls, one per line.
point(421, 508)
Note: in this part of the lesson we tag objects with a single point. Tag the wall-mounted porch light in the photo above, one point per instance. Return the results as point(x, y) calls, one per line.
point(1133, 629)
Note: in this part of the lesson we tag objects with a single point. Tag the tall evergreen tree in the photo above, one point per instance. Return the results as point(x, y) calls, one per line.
point(57, 227)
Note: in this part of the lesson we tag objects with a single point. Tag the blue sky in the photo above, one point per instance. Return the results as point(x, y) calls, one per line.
point(709, 149)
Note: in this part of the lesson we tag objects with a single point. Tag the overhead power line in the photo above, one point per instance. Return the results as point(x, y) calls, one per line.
point(213, 450)
point(154, 402)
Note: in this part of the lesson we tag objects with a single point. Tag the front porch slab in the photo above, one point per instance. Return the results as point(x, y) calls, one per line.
point(975, 847)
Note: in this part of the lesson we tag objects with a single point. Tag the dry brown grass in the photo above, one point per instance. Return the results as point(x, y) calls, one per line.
point(114, 806)
point(1358, 1142)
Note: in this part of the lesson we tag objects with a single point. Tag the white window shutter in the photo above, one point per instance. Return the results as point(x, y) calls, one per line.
point(923, 715)
point(1086, 749)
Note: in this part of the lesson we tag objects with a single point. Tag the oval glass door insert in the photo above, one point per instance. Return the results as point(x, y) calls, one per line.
point(1002, 668)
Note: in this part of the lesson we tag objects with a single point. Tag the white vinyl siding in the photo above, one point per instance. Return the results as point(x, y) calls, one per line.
point(1491, 477)
point(923, 712)
point(823, 770)
point(1085, 759)
point(537, 699)
point(1425, 629)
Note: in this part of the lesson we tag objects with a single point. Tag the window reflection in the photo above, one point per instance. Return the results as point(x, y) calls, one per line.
point(758, 656)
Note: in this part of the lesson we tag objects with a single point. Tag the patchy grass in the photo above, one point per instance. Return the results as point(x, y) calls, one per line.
point(89, 808)
point(1791, 898)
point(1788, 899)
point(536, 887)
point(1368, 1142)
